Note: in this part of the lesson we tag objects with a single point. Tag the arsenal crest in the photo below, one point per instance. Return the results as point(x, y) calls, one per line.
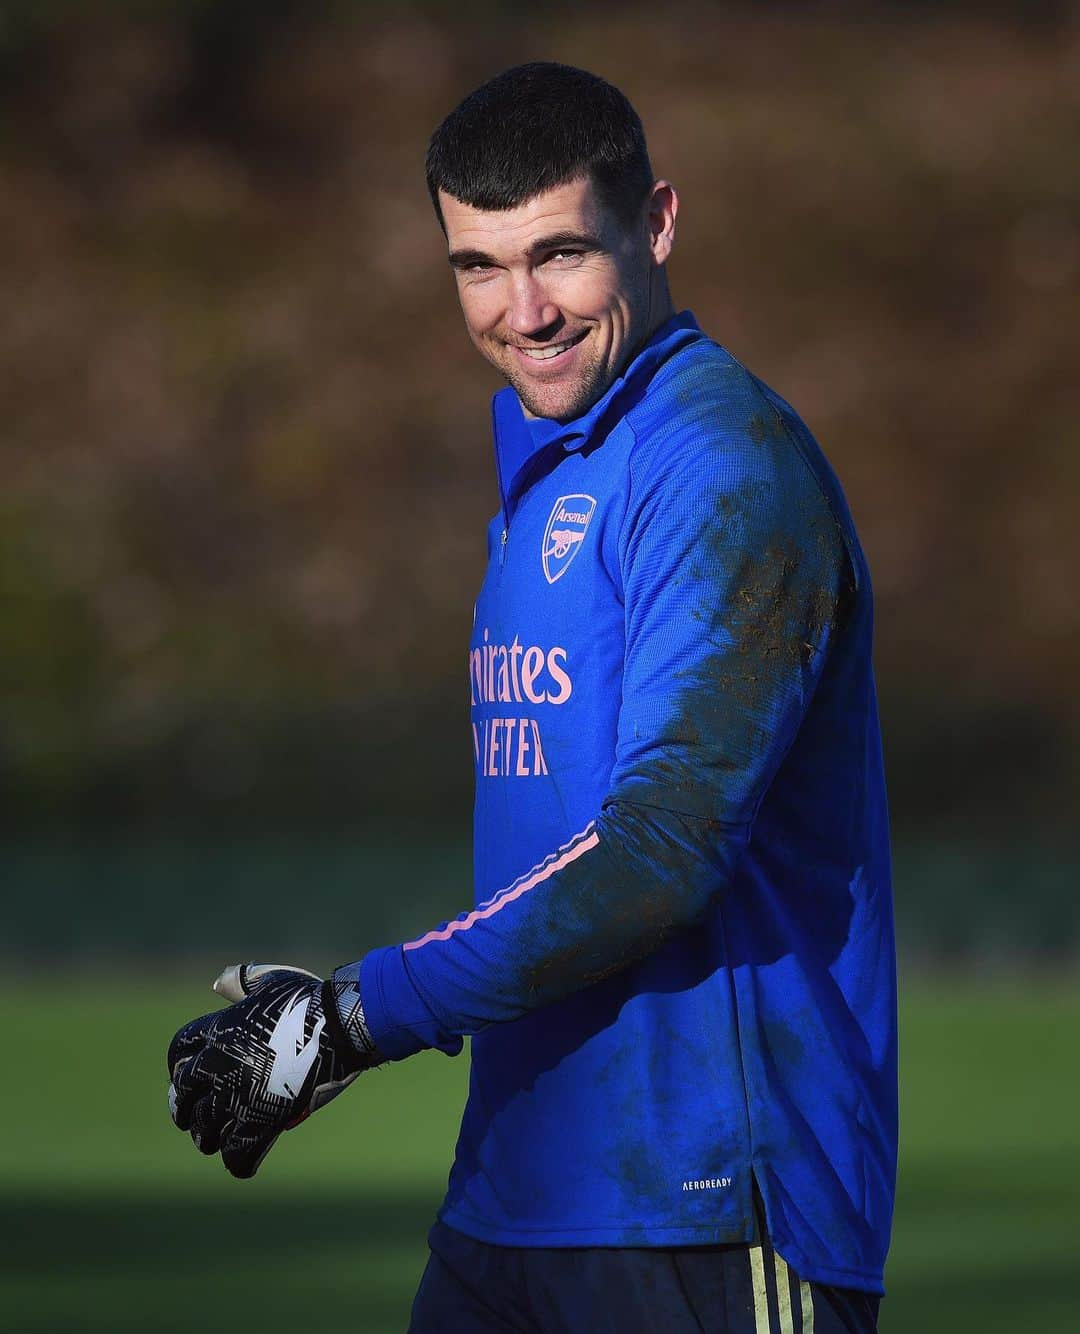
point(565, 531)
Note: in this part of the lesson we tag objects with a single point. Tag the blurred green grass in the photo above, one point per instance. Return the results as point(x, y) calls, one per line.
point(111, 1222)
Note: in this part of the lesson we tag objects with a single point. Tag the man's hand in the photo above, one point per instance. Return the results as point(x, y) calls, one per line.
point(242, 1075)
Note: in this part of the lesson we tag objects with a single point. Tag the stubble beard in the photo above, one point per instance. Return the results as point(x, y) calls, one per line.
point(558, 401)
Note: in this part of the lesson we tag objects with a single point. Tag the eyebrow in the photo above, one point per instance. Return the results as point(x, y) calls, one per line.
point(565, 240)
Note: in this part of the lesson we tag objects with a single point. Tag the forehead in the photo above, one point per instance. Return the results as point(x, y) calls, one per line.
point(508, 232)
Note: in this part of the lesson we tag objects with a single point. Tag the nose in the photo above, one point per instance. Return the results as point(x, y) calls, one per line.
point(531, 311)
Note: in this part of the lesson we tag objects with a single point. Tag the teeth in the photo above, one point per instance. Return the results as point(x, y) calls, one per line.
point(543, 353)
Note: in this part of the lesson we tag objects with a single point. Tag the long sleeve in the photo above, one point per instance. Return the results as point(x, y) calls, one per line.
point(733, 574)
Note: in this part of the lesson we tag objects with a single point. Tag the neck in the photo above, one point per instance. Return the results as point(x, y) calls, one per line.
point(659, 313)
point(661, 309)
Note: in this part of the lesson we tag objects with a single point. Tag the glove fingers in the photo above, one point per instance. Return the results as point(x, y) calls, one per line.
point(244, 1148)
point(190, 1082)
point(210, 1123)
point(189, 1041)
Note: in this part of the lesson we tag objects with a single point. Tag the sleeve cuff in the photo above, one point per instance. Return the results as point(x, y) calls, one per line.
point(397, 1018)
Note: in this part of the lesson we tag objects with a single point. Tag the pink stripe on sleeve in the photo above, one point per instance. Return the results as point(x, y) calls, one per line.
point(540, 866)
point(542, 873)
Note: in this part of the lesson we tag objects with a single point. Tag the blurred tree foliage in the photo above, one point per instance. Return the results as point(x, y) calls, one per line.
point(246, 470)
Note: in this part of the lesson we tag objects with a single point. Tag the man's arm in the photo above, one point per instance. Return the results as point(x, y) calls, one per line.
point(734, 574)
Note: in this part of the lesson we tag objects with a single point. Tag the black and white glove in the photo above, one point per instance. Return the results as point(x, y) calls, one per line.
point(243, 1074)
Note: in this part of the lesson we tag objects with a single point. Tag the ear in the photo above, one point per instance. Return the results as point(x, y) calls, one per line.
point(663, 208)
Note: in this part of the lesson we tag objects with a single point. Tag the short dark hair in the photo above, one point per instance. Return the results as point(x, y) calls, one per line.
point(534, 127)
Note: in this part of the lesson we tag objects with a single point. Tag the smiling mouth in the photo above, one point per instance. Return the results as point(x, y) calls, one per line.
point(552, 350)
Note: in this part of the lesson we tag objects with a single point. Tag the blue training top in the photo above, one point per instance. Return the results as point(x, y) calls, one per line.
point(679, 974)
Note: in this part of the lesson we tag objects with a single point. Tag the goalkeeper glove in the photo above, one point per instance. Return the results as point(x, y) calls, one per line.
point(243, 1074)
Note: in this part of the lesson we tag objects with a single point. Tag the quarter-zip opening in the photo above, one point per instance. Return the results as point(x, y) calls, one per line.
point(505, 534)
point(498, 468)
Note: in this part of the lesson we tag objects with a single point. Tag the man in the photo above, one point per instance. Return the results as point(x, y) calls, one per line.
point(679, 974)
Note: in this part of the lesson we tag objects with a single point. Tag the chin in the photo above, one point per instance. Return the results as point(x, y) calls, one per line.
point(560, 405)
point(552, 410)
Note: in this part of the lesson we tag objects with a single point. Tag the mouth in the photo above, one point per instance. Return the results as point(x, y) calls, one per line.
point(552, 352)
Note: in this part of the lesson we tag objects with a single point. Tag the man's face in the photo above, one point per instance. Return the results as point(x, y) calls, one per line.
point(556, 293)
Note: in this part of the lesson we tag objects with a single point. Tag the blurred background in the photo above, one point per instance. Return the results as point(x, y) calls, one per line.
point(245, 472)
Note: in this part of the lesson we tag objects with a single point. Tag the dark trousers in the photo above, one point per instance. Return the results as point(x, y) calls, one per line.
point(471, 1287)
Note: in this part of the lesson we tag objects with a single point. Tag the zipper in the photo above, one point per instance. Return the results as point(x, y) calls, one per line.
point(502, 489)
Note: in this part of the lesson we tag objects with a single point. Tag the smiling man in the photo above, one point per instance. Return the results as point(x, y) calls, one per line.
point(678, 970)
point(560, 292)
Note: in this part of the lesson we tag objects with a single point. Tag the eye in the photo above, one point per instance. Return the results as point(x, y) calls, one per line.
point(476, 275)
point(563, 257)
point(480, 267)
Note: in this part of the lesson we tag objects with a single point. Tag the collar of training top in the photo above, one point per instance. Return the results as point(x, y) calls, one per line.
point(518, 439)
